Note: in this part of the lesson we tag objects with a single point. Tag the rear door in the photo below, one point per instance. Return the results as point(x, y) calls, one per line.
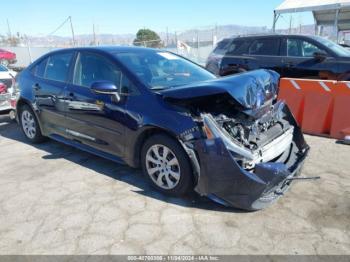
point(94, 119)
point(299, 61)
point(214, 59)
point(50, 81)
point(236, 59)
point(264, 53)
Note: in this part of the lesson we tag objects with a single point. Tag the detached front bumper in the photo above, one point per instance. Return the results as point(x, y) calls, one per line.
point(223, 180)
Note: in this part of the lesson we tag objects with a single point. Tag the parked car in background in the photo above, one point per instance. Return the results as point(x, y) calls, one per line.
point(8, 93)
point(6, 73)
point(295, 56)
point(7, 57)
point(228, 138)
point(7, 77)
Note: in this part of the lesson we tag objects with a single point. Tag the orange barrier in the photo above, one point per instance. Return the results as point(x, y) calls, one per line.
point(321, 107)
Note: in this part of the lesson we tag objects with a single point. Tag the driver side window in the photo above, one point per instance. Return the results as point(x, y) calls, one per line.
point(301, 48)
point(90, 68)
point(309, 49)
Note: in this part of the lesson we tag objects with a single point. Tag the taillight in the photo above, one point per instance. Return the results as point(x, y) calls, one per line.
point(3, 88)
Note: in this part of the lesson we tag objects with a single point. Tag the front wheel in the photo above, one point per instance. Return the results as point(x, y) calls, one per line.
point(30, 125)
point(166, 165)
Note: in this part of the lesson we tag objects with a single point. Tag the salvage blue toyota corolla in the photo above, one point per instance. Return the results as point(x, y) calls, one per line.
point(230, 139)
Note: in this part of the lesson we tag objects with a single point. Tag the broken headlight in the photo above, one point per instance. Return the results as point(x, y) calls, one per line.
point(213, 130)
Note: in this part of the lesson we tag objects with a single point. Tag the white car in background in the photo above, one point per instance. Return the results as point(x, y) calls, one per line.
point(7, 90)
point(6, 73)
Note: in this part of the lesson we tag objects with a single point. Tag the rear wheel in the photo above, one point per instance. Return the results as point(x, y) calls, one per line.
point(166, 165)
point(30, 125)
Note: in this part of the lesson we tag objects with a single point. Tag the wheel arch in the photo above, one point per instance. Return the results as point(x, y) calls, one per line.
point(135, 154)
point(20, 103)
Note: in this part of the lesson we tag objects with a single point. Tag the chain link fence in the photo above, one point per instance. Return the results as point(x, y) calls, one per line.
point(195, 45)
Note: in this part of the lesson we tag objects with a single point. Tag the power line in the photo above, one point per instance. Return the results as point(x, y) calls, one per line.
point(60, 26)
point(69, 18)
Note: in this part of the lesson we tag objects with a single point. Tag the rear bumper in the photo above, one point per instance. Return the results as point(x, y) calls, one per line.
point(12, 61)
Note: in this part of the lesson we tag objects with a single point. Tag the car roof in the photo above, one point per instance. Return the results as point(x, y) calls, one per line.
point(257, 36)
point(111, 49)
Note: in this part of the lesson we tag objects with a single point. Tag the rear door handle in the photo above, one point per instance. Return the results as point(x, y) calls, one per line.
point(290, 64)
point(36, 87)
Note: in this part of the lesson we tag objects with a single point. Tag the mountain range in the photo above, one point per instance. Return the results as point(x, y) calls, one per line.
point(205, 34)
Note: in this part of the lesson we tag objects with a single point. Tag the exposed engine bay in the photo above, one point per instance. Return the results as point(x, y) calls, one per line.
point(253, 140)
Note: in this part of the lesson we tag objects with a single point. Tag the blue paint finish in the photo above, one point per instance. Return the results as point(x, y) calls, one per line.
point(99, 124)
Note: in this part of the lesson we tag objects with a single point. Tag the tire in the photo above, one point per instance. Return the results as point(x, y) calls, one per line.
point(175, 168)
point(4, 62)
point(29, 125)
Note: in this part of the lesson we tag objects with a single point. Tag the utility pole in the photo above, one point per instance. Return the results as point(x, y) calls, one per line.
point(177, 48)
point(167, 36)
point(71, 26)
point(94, 33)
point(9, 28)
point(29, 50)
point(197, 31)
point(290, 24)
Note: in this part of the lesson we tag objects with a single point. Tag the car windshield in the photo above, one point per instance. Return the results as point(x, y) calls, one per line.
point(339, 50)
point(3, 69)
point(163, 70)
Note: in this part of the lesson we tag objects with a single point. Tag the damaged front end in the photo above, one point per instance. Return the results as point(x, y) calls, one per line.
point(250, 147)
point(253, 174)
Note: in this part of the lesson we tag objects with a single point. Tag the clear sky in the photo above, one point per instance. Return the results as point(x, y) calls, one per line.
point(41, 17)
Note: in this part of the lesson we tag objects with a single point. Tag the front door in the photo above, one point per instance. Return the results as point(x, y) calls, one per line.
point(94, 119)
point(299, 61)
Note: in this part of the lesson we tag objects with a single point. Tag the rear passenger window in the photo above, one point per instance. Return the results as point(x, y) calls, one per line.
point(238, 47)
point(265, 46)
point(57, 67)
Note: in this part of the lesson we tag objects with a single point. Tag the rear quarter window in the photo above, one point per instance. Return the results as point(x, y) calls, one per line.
point(3, 69)
point(39, 69)
point(222, 47)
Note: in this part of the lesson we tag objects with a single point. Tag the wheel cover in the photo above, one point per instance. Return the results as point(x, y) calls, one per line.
point(28, 124)
point(163, 166)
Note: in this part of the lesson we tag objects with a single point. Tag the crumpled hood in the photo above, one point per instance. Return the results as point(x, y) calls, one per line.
point(251, 89)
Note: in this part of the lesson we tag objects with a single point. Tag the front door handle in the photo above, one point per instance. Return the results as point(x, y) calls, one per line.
point(71, 96)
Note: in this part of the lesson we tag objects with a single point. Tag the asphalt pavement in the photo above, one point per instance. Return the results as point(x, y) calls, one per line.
point(55, 199)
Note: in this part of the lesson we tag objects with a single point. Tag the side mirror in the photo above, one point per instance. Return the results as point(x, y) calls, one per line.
point(320, 56)
point(106, 88)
